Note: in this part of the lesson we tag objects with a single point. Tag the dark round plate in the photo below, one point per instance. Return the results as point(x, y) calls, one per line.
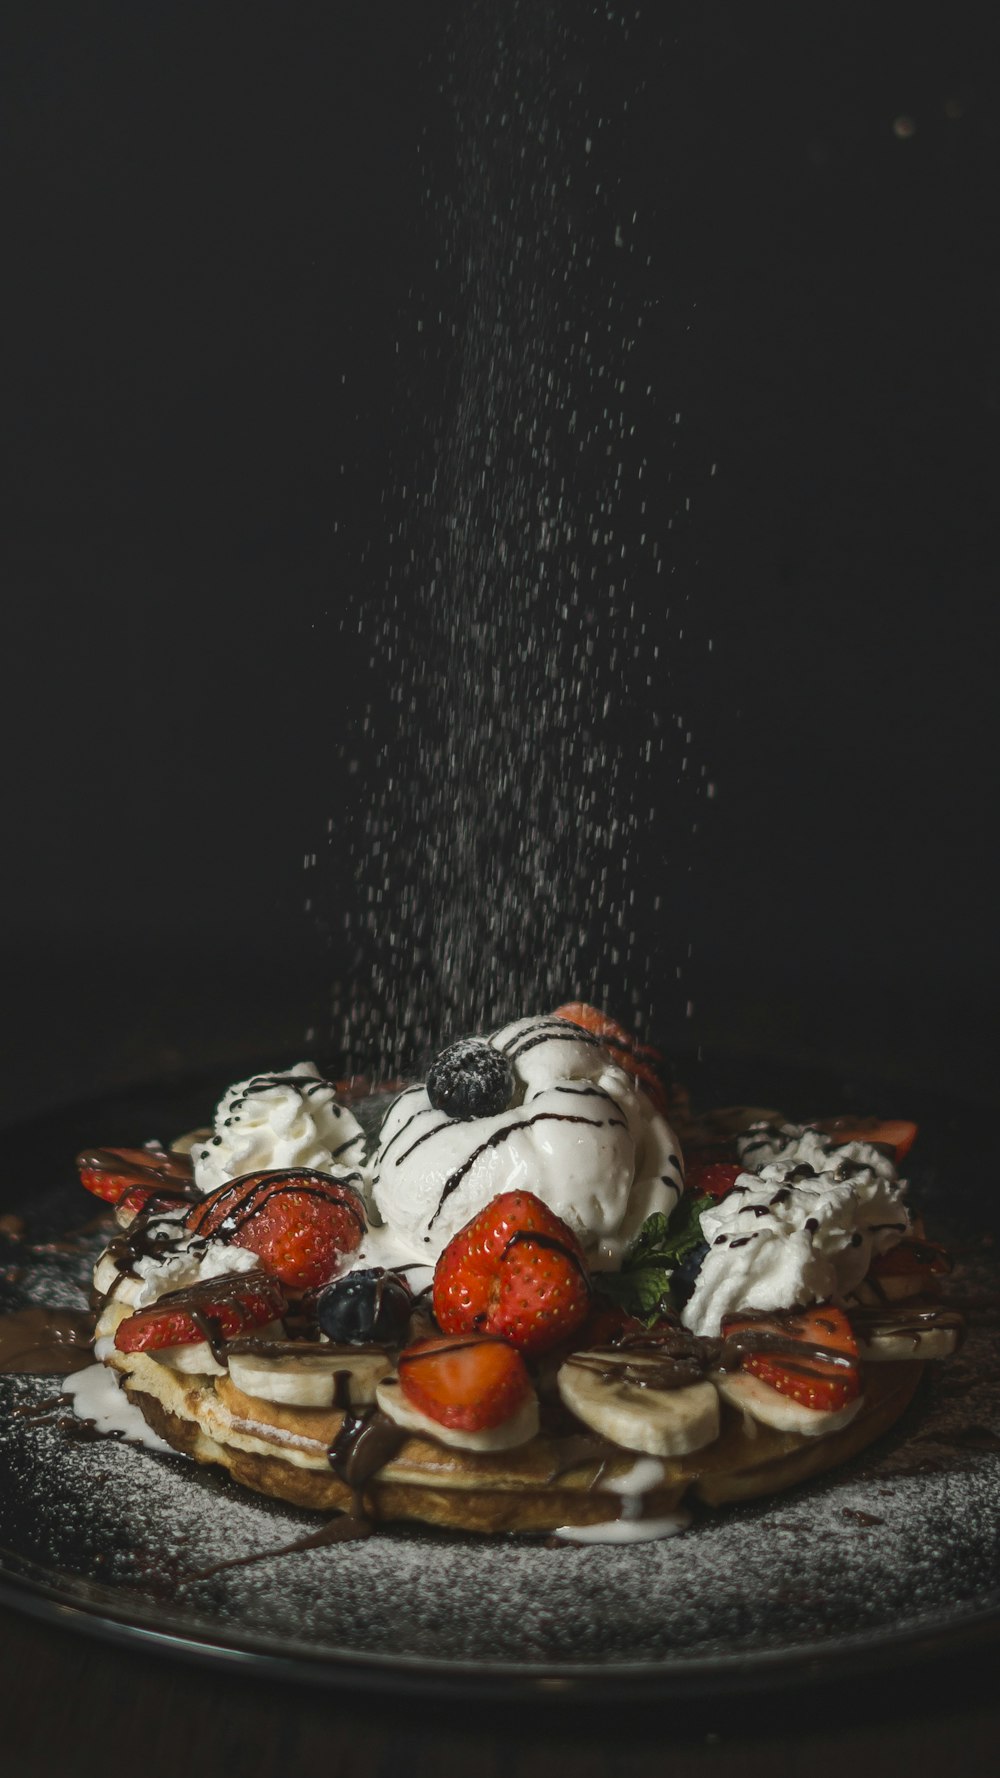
point(893, 1557)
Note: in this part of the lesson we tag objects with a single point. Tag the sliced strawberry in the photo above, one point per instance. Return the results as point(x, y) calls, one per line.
point(895, 1133)
point(515, 1270)
point(301, 1224)
point(813, 1356)
point(713, 1179)
point(637, 1059)
point(222, 1307)
point(910, 1259)
point(472, 1382)
point(608, 1323)
point(131, 1177)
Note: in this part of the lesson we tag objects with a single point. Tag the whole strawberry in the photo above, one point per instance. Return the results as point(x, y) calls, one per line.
point(515, 1270)
point(301, 1224)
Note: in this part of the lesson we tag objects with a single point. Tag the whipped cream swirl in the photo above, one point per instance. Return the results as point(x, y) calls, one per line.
point(577, 1134)
point(803, 1144)
point(179, 1261)
point(800, 1231)
point(272, 1121)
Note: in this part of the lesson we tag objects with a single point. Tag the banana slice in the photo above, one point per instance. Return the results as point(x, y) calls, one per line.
point(190, 1139)
point(194, 1360)
point(108, 1278)
point(891, 1290)
point(516, 1431)
point(311, 1381)
point(896, 1344)
point(608, 1392)
point(758, 1400)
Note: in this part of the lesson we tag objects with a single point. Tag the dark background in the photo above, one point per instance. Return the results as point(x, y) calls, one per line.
point(218, 244)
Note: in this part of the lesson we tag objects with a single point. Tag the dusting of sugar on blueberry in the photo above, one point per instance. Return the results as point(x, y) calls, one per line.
point(470, 1079)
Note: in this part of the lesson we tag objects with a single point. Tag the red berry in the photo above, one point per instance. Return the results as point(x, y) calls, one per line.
point(133, 1177)
point(713, 1179)
point(911, 1259)
point(472, 1383)
point(515, 1270)
point(608, 1323)
point(637, 1059)
point(895, 1133)
point(824, 1374)
point(226, 1306)
point(301, 1224)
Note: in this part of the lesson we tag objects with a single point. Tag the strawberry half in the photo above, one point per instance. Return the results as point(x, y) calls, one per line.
point(895, 1133)
point(472, 1383)
point(637, 1059)
point(300, 1224)
point(222, 1307)
point(821, 1370)
point(713, 1179)
point(607, 1324)
point(910, 1259)
point(515, 1270)
point(131, 1177)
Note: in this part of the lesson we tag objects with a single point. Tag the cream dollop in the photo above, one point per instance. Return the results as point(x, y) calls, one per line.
point(183, 1260)
point(795, 1233)
point(273, 1121)
point(577, 1133)
point(803, 1144)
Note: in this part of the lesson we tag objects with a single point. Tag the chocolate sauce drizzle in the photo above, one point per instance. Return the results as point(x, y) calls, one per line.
point(454, 1180)
point(198, 1300)
point(148, 1236)
point(340, 1528)
point(363, 1445)
point(547, 1031)
point(45, 1342)
point(552, 1244)
point(907, 1320)
point(672, 1358)
point(249, 1194)
point(170, 1176)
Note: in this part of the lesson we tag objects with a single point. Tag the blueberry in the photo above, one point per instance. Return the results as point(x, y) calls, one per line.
point(682, 1282)
point(366, 1306)
point(470, 1079)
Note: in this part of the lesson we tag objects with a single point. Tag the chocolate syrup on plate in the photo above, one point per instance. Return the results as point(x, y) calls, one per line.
point(46, 1342)
point(341, 1528)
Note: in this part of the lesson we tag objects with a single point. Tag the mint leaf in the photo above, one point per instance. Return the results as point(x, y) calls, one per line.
point(667, 1240)
point(652, 1238)
point(643, 1292)
point(642, 1287)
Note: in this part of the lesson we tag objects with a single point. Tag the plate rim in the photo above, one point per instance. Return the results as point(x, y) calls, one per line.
point(730, 1675)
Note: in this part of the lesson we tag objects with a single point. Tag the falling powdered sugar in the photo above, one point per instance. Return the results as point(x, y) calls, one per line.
point(517, 804)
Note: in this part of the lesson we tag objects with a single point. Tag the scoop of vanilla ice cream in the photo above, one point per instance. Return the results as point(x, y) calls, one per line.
point(577, 1134)
point(792, 1234)
point(274, 1121)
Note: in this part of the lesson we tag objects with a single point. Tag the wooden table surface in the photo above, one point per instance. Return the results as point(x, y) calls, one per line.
point(75, 1706)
